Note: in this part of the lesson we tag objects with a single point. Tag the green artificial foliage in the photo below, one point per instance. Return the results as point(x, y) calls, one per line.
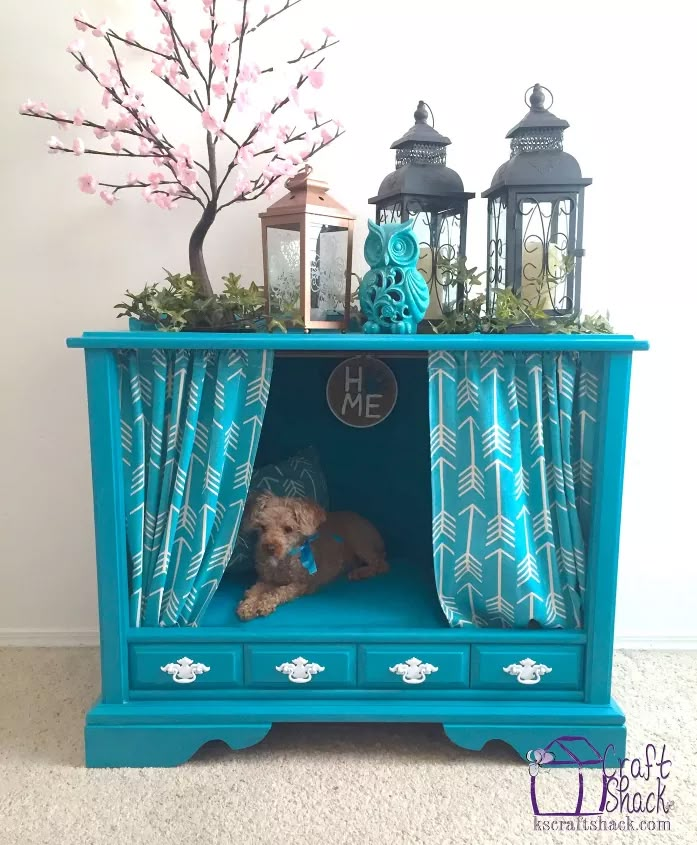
point(179, 303)
point(510, 311)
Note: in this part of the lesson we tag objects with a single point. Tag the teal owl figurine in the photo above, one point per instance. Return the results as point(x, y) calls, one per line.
point(393, 294)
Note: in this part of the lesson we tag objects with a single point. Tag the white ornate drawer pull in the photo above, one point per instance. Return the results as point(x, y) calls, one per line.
point(527, 671)
point(300, 671)
point(185, 671)
point(413, 671)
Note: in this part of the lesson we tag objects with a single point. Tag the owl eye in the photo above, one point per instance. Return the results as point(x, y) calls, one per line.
point(403, 248)
point(373, 249)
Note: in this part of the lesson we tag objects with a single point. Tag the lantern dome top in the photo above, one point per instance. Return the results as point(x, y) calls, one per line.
point(537, 150)
point(420, 164)
point(306, 196)
point(421, 132)
point(539, 116)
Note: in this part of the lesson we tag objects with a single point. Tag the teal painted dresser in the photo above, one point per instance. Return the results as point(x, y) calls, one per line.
point(387, 649)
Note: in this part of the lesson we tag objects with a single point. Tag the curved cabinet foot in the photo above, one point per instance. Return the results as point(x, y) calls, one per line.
point(590, 744)
point(161, 745)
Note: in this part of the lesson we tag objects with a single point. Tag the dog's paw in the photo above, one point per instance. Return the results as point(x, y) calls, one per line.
point(247, 610)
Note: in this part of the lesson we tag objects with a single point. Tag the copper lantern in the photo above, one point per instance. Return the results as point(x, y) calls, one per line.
point(307, 240)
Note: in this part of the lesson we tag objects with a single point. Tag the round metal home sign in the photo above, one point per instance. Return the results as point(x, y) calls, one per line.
point(362, 391)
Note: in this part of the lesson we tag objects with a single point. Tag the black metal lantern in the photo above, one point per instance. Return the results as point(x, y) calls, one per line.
point(423, 188)
point(535, 215)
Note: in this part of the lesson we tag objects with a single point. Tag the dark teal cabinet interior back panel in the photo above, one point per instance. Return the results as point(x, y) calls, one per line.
point(382, 472)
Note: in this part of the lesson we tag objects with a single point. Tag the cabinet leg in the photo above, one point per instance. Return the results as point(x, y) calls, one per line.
point(161, 745)
point(591, 744)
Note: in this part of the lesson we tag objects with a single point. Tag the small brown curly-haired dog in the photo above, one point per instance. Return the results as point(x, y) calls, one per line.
point(340, 542)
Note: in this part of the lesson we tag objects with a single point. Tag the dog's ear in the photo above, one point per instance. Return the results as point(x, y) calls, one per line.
point(256, 505)
point(308, 515)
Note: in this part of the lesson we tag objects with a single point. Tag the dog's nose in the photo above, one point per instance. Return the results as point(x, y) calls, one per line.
point(270, 548)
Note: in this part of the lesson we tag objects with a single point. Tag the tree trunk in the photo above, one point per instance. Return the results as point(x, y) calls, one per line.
point(197, 265)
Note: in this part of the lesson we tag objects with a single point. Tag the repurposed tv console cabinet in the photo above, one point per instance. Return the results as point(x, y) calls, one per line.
point(380, 650)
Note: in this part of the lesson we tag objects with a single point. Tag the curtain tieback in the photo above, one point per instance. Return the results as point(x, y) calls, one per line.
point(307, 558)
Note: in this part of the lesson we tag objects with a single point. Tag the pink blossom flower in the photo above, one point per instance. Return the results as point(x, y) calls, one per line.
point(76, 46)
point(62, 119)
point(248, 73)
point(130, 102)
point(126, 121)
point(110, 125)
point(27, 107)
point(81, 20)
point(182, 84)
point(295, 158)
point(182, 153)
point(294, 95)
point(316, 77)
point(158, 67)
point(54, 145)
point(242, 101)
point(219, 89)
point(145, 146)
point(219, 54)
point(78, 146)
point(238, 29)
point(264, 122)
point(187, 176)
point(108, 197)
point(242, 186)
point(147, 194)
point(106, 98)
point(267, 8)
point(87, 184)
point(108, 80)
point(245, 155)
point(79, 117)
point(102, 28)
point(327, 136)
point(116, 145)
point(154, 129)
point(164, 201)
point(206, 33)
point(211, 123)
point(329, 33)
point(207, 4)
point(155, 178)
point(99, 132)
point(132, 179)
point(307, 45)
point(131, 36)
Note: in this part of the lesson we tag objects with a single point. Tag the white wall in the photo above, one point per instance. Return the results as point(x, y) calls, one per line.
point(623, 75)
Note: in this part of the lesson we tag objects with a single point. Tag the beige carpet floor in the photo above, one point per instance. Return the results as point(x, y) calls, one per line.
point(312, 784)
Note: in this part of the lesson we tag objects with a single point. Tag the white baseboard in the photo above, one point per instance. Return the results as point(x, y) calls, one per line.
point(658, 642)
point(61, 638)
point(48, 637)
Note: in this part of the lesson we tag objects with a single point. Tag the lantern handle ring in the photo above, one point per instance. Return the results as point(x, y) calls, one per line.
point(537, 90)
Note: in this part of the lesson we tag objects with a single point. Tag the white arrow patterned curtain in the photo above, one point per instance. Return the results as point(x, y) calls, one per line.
point(512, 446)
point(190, 428)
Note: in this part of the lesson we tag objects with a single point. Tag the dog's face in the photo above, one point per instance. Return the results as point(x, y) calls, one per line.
point(282, 523)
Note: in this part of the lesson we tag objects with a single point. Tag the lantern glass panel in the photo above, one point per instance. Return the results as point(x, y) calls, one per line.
point(390, 214)
point(327, 246)
point(545, 248)
point(496, 273)
point(438, 234)
point(283, 256)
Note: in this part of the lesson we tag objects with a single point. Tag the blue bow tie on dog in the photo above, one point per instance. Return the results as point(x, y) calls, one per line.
point(307, 558)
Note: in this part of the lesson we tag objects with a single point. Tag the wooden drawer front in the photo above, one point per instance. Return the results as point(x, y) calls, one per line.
point(525, 669)
point(181, 668)
point(413, 667)
point(303, 666)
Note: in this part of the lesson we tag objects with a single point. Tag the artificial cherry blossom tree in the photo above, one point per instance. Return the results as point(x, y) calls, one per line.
point(257, 121)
